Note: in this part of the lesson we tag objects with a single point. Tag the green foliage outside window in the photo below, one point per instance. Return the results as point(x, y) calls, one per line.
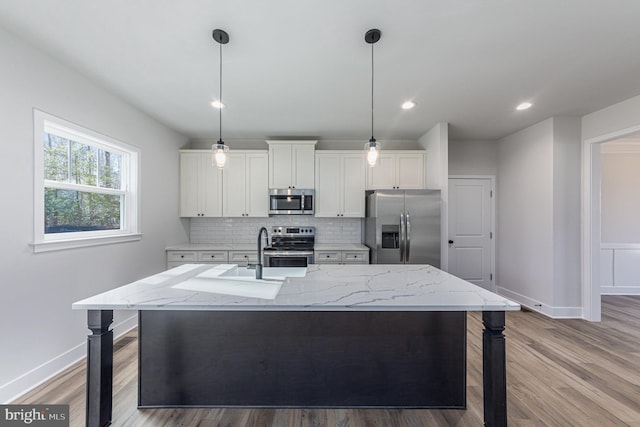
point(70, 209)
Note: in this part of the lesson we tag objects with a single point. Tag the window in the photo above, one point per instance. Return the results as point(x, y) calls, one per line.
point(85, 186)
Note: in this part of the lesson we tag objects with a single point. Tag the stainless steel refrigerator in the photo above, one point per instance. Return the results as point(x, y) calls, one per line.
point(403, 226)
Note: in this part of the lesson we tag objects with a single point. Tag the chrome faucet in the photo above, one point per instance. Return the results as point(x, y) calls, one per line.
point(259, 264)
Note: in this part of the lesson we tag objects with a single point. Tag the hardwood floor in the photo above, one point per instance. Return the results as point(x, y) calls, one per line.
point(559, 373)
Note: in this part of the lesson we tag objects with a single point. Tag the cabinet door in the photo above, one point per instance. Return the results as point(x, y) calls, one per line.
point(280, 166)
point(210, 181)
point(383, 175)
point(303, 166)
point(355, 257)
point(353, 185)
point(234, 185)
point(327, 257)
point(256, 187)
point(410, 171)
point(189, 165)
point(328, 185)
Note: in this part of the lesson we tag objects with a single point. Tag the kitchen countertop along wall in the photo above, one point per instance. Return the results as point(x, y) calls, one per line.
point(245, 247)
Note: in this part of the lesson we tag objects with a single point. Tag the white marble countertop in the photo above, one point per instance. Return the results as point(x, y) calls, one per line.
point(340, 247)
point(210, 247)
point(358, 287)
point(217, 247)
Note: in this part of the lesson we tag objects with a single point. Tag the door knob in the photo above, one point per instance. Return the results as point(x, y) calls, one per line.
point(451, 242)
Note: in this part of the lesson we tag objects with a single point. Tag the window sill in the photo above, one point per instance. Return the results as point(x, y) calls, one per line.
point(60, 245)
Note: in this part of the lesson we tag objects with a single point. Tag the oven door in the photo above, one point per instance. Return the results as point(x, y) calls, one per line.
point(288, 258)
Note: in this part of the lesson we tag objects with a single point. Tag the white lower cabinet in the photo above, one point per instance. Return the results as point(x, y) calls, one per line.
point(176, 258)
point(342, 257)
point(340, 184)
point(242, 258)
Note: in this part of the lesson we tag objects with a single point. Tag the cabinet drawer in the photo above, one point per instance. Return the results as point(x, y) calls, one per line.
point(327, 256)
point(212, 256)
point(355, 256)
point(242, 258)
point(181, 256)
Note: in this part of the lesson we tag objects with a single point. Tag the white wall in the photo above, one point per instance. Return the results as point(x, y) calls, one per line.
point(620, 192)
point(566, 213)
point(436, 142)
point(39, 333)
point(538, 217)
point(620, 220)
point(323, 144)
point(525, 213)
point(473, 157)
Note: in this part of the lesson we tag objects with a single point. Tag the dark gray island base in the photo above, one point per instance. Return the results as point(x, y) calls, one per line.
point(302, 359)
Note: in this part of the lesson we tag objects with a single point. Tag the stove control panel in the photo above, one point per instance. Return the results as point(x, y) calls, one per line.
point(294, 231)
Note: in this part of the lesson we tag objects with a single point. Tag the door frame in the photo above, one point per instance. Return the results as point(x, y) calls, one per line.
point(591, 205)
point(492, 178)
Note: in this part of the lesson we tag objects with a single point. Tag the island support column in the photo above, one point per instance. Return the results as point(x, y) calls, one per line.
point(494, 369)
point(99, 368)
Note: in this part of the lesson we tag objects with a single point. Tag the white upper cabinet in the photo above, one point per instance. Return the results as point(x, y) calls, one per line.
point(402, 169)
point(200, 185)
point(245, 192)
point(340, 184)
point(291, 164)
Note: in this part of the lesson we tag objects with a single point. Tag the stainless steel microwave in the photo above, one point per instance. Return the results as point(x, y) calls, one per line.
point(291, 201)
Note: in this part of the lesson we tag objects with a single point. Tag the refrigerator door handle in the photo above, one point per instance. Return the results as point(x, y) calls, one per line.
point(407, 238)
point(402, 237)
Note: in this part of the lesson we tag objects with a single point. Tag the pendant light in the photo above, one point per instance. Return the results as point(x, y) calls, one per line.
point(372, 147)
point(219, 150)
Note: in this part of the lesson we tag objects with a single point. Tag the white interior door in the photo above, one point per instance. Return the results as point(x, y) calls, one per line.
point(471, 230)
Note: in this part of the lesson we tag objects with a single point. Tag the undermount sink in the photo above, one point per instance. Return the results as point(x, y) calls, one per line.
point(268, 273)
point(241, 281)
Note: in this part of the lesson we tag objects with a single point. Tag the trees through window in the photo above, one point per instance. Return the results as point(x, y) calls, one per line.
point(88, 182)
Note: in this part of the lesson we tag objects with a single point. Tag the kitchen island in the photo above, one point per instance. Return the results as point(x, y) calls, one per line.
point(341, 336)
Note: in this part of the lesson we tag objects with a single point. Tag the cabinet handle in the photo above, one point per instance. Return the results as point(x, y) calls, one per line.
point(181, 256)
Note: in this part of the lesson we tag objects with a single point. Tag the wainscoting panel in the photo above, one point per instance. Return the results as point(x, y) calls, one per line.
point(620, 269)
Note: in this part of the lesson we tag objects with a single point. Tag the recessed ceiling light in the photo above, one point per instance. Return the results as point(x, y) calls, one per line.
point(407, 105)
point(524, 106)
point(217, 104)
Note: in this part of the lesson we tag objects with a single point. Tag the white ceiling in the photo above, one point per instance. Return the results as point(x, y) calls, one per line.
point(301, 67)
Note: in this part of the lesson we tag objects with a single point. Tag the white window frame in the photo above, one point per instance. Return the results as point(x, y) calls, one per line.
point(130, 218)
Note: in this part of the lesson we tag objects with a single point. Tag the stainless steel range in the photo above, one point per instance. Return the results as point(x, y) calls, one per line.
point(290, 247)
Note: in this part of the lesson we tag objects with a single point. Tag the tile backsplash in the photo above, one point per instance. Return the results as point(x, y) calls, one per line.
point(244, 231)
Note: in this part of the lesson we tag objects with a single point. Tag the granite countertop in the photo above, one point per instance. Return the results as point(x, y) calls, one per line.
point(380, 287)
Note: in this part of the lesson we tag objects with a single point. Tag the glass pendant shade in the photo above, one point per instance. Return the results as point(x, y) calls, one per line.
point(373, 149)
point(219, 151)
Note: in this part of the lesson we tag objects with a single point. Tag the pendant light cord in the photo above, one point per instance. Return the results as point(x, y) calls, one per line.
point(221, 104)
point(372, 91)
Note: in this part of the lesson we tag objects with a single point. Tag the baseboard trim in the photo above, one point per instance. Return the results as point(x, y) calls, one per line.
point(547, 310)
point(26, 382)
point(620, 290)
